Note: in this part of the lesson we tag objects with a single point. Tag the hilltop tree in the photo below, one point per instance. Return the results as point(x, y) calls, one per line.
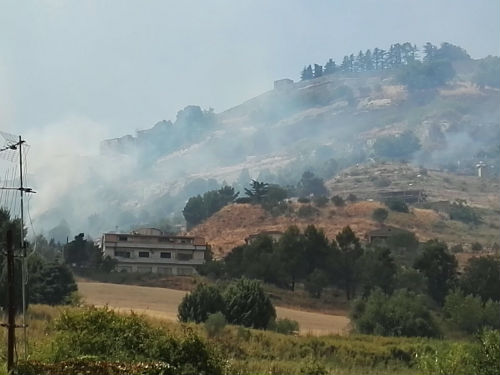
point(330, 67)
point(258, 191)
point(199, 208)
point(310, 184)
point(380, 215)
point(318, 71)
point(307, 73)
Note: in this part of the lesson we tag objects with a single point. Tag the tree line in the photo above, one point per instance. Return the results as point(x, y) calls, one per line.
point(399, 54)
point(380, 285)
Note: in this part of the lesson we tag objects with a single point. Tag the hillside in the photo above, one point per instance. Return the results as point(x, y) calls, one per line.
point(232, 224)
point(325, 124)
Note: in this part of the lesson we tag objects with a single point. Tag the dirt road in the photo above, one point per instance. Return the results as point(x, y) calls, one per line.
point(162, 303)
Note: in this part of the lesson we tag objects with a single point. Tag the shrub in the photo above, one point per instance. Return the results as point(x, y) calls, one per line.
point(307, 211)
point(338, 201)
point(352, 198)
point(303, 200)
point(89, 366)
point(401, 314)
point(466, 312)
point(397, 205)
point(312, 367)
point(460, 211)
point(248, 305)
point(106, 335)
point(476, 246)
point(201, 302)
point(380, 214)
point(215, 324)
point(284, 326)
point(486, 354)
point(320, 201)
point(381, 182)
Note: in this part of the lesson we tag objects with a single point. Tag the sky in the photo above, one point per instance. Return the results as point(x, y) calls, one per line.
point(88, 70)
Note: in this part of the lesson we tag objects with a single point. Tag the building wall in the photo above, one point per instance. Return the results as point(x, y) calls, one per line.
point(152, 253)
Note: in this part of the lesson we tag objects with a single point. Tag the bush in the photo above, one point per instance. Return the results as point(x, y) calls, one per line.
point(460, 211)
point(200, 303)
point(476, 246)
point(397, 205)
point(352, 198)
point(401, 314)
point(469, 314)
point(307, 211)
point(303, 200)
point(380, 214)
point(284, 326)
point(486, 354)
point(381, 182)
point(320, 201)
point(338, 201)
point(215, 324)
point(106, 335)
point(248, 305)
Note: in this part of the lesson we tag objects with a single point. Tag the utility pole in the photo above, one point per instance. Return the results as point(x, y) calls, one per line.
point(24, 268)
point(11, 322)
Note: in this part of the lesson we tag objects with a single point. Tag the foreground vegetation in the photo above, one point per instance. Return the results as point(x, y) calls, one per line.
point(99, 341)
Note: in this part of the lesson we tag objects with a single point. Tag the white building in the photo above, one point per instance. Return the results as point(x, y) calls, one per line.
point(149, 250)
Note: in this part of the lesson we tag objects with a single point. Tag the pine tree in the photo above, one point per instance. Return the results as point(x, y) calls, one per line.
point(330, 67)
point(359, 63)
point(368, 60)
point(318, 71)
point(429, 52)
point(345, 64)
point(307, 73)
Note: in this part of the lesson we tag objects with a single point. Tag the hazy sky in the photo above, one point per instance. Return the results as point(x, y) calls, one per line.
point(124, 65)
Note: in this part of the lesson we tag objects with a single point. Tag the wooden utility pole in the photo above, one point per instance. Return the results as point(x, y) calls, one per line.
point(11, 303)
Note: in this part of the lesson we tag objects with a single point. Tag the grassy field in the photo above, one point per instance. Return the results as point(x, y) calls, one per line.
point(163, 303)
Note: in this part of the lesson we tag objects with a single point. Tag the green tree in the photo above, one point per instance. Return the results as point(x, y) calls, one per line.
point(310, 184)
point(397, 205)
point(401, 314)
point(488, 72)
point(247, 304)
point(318, 71)
point(316, 282)
point(380, 214)
point(197, 305)
point(50, 283)
point(258, 191)
point(480, 278)
point(291, 247)
point(330, 67)
point(82, 252)
point(350, 251)
point(439, 267)
point(377, 270)
point(466, 312)
point(307, 73)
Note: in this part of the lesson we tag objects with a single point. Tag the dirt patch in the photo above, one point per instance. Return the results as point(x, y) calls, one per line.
point(163, 303)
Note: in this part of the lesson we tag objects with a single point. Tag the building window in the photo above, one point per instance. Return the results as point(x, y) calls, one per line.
point(143, 254)
point(122, 238)
point(166, 255)
point(123, 254)
point(184, 257)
